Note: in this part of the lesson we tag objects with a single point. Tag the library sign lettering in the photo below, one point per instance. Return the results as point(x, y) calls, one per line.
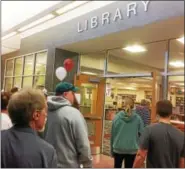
point(107, 17)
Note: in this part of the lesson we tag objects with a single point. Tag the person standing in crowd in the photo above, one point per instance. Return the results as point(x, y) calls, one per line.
point(14, 90)
point(67, 129)
point(126, 128)
point(162, 143)
point(5, 120)
point(21, 147)
point(41, 132)
point(144, 112)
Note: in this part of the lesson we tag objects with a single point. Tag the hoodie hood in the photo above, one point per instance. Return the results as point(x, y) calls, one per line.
point(124, 116)
point(56, 102)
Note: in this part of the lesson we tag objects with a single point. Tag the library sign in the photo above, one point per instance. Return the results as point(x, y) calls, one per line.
point(107, 17)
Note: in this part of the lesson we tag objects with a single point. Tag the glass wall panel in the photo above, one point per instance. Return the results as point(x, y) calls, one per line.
point(89, 93)
point(92, 64)
point(18, 66)
point(176, 59)
point(17, 81)
point(40, 67)
point(9, 67)
point(176, 96)
point(22, 70)
point(28, 66)
point(39, 81)
point(27, 81)
point(150, 59)
point(8, 84)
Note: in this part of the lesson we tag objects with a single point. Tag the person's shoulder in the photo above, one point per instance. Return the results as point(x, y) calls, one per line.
point(136, 115)
point(72, 114)
point(176, 130)
point(45, 145)
point(117, 116)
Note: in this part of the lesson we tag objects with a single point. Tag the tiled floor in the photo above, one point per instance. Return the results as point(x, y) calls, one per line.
point(103, 161)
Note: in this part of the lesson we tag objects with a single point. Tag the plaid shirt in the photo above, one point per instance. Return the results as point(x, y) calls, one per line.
point(144, 113)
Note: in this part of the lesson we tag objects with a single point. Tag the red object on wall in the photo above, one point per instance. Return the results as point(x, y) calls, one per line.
point(68, 64)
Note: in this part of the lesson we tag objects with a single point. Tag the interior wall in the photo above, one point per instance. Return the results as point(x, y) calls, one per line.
point(60, 56)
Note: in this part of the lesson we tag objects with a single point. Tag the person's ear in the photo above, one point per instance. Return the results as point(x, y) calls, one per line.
point(64, 94)
point(36, 116)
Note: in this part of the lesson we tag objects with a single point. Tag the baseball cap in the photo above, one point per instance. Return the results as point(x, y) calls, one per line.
point(65, 87)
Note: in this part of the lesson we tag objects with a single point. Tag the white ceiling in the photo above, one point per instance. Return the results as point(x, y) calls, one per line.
point(16, 12)
point(25, 12)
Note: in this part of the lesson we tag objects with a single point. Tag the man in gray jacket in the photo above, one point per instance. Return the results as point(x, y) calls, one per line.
point(67, 130)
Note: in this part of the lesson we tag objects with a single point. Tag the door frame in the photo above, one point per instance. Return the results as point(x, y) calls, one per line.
point(97, 119)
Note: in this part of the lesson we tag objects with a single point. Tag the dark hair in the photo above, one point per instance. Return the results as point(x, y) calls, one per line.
point(23, 104)
point(5, 96)
point(164, 108)
point(14, 90)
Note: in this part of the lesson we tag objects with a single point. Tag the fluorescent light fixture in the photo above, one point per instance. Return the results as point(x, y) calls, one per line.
point(89, 73)
point(135, 48)
point(70, 6)
point(119, 83)
point(128, 88)
point(21, 10)
point(81, 10)
point(41, 20)
point(9, 35)
point(177, 64)
point(181, 40)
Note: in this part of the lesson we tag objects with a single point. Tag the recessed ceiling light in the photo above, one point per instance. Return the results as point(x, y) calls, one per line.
point(177, 64)
point(9, 35)
point(41, 20)
point(181, 40)
point(135, 48)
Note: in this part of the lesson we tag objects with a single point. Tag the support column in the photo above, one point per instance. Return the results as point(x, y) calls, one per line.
point(165, 76)
point(154, 97)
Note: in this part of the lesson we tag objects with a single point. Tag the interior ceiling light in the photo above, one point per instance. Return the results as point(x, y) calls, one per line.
point(70, 6)
point(89, 73)
point(9, 35)
point(181, 40)
point(135, 48)
point(177, 64)
point(41, 20)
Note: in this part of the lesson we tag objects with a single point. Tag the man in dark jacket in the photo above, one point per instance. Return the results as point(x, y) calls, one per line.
point(67, 130)
point(21, 147)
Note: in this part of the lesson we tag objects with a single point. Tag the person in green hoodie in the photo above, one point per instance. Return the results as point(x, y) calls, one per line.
point(126, 129)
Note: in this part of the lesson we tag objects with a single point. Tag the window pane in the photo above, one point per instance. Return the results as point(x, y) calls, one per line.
point(150, 60)
point(92, 64)
point(18, 66)
point(176, 59)
point(88, 98)
point(39, 81)
point(8, 84)
point(9, 67)
point(27, 81)
point(176, 96)
point(17, 82)
point(28, 67)
point(40, 67)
